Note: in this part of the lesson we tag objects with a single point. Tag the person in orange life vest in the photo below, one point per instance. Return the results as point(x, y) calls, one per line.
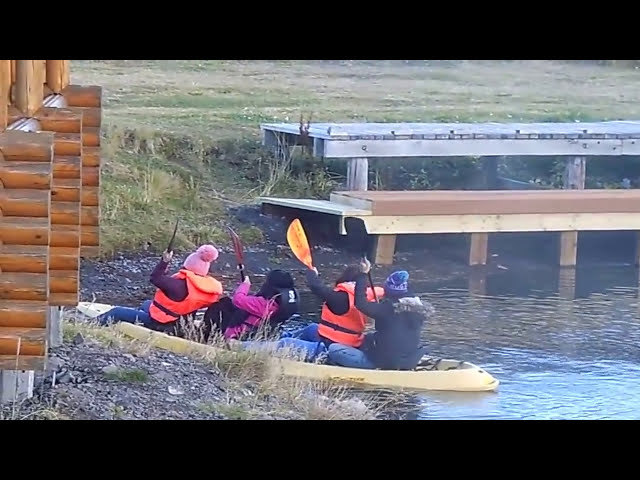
point(244, 315)
point(340, 322)
point(395, 344)
point(177, 295)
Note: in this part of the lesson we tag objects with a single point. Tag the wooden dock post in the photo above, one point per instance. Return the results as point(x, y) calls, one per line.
point(384, 249)
point(384, 246)
point(358, 174)
point(479, 243)
point(478, 249)
point(478, 282)
point(567, 283)
point(574, 178)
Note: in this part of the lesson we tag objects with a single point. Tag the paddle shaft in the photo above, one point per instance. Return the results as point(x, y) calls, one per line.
point(173, 237)
point(375, 295)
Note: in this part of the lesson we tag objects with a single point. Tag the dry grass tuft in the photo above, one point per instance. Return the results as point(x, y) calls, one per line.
point(75, 323)
point(253, 389)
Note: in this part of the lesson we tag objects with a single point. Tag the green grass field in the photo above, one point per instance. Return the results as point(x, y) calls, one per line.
point(182, 137)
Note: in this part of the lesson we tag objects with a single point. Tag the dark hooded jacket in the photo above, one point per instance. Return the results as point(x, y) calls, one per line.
point(395, 344)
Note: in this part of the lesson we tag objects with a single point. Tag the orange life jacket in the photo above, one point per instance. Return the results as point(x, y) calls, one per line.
point(201, 292)
point(347, 329)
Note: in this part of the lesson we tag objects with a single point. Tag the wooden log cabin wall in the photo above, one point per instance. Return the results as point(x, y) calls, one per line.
point(49, 208)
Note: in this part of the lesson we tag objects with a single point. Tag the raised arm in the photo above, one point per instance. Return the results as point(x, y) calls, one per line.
point(337, 302)
point(377, 311)
point(254, 305)
point(174, 288)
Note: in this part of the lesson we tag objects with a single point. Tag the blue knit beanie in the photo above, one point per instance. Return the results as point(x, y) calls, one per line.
point(397, 282)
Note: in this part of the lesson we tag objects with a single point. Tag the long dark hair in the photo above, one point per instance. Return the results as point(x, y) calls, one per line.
point(349, 274)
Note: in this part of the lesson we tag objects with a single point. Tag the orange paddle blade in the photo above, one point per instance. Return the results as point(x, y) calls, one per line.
point(298, 242)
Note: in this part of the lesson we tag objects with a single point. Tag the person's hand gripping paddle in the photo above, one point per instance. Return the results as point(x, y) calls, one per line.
point(297, 239)
point(366, 263)
point(237, 247)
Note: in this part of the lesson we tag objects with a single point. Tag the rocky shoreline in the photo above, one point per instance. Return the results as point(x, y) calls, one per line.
point(98, 374)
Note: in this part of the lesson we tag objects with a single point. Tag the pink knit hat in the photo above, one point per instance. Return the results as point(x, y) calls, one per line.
point(199, 261)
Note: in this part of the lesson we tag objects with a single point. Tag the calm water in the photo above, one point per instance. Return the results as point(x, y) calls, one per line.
point(561, 349)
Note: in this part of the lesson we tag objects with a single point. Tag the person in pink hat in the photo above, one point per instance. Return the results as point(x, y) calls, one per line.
point(178, 295)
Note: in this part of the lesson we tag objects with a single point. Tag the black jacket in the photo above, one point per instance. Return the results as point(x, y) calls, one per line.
point(395, 345)
point(337, 302)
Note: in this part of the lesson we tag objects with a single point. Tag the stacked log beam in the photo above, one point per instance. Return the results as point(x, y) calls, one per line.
point(40, 205)
point(49, 207)
point(66, 194)
point(88, 101)
point(25, 204)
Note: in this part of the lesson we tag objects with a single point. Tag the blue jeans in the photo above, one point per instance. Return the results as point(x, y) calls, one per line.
point(308, 333)
point(311, 350)
point(338, 354)
point(129, 315)
point(349, 357)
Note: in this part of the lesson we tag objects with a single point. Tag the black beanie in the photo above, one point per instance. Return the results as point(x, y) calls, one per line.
point(280, 279)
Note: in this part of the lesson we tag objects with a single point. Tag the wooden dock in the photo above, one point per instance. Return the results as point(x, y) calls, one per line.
point(479, 212)
point(387, 214)
point(352, 140)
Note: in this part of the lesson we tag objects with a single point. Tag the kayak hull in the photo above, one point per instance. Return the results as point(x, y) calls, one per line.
point(92, 310)
point(433, 374)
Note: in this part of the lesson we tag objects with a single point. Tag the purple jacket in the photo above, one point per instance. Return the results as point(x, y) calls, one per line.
point(259, 309)
point(174, 288)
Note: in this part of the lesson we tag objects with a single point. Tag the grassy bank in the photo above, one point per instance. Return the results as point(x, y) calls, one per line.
point(182, 137)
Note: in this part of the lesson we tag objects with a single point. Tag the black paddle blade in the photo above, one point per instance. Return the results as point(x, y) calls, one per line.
point(358, 236)
point(173, 237)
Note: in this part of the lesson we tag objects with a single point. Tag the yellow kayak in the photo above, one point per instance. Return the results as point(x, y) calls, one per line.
point(433, 374)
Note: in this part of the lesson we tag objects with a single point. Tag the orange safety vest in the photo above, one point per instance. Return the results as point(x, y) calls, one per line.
point(201, 292)
point(347, 329)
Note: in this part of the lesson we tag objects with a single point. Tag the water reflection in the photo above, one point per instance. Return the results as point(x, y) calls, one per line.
point(556, 355)
point(563, 345)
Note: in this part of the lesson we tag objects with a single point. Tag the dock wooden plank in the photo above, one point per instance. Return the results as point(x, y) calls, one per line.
point(322, 206)
point(359, 131)
point(498, 202)
point(378, 140)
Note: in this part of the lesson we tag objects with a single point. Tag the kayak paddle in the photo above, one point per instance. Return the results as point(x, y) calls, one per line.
point(173, 237)
point(356, 228)
point(237, 247)
point(297, 239)
point(373, 289)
